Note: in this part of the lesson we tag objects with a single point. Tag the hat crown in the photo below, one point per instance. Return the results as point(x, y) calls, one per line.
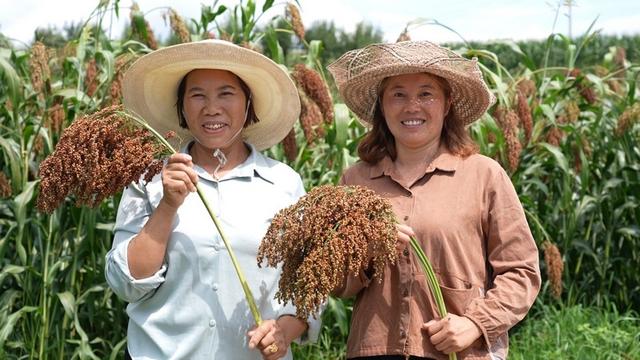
point(359, 73)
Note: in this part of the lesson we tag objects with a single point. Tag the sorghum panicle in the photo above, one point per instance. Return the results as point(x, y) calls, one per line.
point(5, 186)
point(527, 87)
point(39, 66)
point(628, 119)
point(524, 113)
point(315, 87)
point(555, 267)
point(55, 118)
point(572, 110)
point(290, 146)
point(296, 20)
point(330, 232)
point(508, 121)
point(96, 157)
point(150, 39)
point(122, 64)
point(555, 136)
point(310, 118)
point(90, 79)
point(179, 27)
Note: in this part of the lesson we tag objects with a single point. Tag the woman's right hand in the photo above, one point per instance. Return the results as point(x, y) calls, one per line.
point(404, 236)
point(178, 179)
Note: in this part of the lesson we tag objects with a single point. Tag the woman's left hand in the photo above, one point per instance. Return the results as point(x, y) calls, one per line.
point(452, 334)
point(269, 339)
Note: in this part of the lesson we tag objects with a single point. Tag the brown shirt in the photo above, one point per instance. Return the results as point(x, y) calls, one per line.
point(470, 223)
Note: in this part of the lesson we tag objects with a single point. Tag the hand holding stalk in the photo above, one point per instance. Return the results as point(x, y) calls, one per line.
point(432, 281)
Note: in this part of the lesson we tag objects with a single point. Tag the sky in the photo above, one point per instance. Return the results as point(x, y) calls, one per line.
point(472, 20)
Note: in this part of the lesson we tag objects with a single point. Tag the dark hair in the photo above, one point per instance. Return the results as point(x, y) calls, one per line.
point(252, 118)
point(379, 142)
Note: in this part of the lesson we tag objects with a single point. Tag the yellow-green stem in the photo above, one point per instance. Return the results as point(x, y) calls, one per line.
point(243, 281)
point(432, 281)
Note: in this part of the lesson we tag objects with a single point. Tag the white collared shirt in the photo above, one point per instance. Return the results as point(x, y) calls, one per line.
point(194, 306)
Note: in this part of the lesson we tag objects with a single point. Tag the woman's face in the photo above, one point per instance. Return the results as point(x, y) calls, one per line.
point(414, 107)
point(214, 107)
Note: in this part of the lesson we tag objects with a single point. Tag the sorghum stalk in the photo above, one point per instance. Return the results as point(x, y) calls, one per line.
point(243, 281)
point(432, 281)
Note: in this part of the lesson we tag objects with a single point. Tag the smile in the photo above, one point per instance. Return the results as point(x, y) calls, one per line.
point(412, 122)
point(214, 126)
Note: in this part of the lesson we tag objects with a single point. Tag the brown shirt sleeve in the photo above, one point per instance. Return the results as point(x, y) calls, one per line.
point(513, 258)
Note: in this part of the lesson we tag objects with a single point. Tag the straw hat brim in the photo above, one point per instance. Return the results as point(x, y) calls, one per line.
point(360, 90)
point(150, 88)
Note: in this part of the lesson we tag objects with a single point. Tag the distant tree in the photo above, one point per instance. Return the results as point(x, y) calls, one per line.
point(364, 35)
point(54, 37)
point(336, 41)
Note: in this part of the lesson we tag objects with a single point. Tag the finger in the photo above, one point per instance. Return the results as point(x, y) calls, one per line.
point(179, 182)
point(433, 327)
point(405, 229)
point(256, 335)
point(181, 158)
point(266, 341)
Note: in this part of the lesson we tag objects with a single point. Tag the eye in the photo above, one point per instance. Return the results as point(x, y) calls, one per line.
point(398, 95)
point(425, 94)
point(197, 96)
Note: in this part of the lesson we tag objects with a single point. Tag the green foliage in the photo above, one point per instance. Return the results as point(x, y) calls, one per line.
point(577, 332)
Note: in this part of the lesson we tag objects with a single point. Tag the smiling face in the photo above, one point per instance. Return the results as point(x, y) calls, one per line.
point(414, 107)
point(214, 107)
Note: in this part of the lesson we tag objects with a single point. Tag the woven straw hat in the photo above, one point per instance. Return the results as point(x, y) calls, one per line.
point(150, 88)
point(359, 73)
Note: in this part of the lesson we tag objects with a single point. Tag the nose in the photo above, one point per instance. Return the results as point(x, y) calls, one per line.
point(413, 105)
point(211, 107)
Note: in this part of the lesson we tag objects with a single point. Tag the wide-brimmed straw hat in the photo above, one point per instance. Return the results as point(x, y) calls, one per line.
point(359, 73)
point(150, 88)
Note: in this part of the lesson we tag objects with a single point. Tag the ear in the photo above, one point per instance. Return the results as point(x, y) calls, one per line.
point(447, 107)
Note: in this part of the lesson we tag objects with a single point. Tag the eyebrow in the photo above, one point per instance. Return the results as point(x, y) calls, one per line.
point(221, 88)
point(428, 86)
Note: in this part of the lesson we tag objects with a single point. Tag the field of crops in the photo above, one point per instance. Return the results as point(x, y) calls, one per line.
point(567, 130)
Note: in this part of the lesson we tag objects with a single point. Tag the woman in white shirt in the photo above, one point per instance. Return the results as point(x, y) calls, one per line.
point(168, 261)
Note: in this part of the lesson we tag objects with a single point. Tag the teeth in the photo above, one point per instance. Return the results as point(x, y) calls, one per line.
point(213, 126)
point(412, 122)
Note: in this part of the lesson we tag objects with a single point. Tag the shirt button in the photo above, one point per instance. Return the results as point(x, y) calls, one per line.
point(216, 247)
point(402, 333)
point(405, 252)
point(406, 292)
point(212, 323)
point(214, 287)
point(406, 217)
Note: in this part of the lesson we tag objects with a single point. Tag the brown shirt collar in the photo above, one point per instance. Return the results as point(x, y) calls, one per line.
point(443, 161)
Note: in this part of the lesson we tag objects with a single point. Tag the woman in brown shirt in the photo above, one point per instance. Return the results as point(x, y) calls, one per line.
point(418, 98)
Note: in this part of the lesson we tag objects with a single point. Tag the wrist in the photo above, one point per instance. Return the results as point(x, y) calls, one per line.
point(291, 327)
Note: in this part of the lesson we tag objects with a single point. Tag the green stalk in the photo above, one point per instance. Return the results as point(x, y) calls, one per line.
point(243, 281)
point(44, 320)
point(432, 281)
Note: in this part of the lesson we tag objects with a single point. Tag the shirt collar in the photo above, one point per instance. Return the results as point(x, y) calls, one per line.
point(443, 161)
point(255, 165)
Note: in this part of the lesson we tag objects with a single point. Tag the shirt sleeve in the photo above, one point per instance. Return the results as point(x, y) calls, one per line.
point(513, 258)
point(133, 213)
